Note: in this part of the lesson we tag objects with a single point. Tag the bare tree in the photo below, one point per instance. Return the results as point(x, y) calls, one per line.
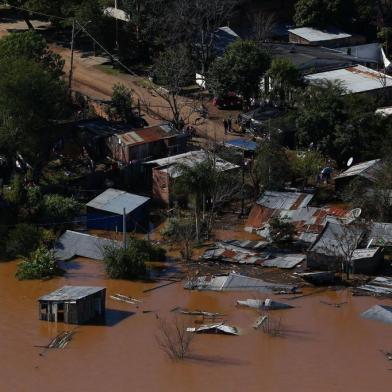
point(263, 25)
point(202, 18)
point(174, 339)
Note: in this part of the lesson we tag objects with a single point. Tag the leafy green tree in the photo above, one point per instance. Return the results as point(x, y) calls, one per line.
point(30, 45)
point(322, 13)
point(270, 168)
point(125, 263)
point(40, 264)
point(16, 194)
point(121, 103)
point(57, 208)
point(244, 64)
point(31, 100)
point(22, 240)
point(307, 164)
point(281, 229)
point(284, 78)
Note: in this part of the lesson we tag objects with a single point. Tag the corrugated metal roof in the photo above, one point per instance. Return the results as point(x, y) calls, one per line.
point(71, 293)
point(191, 158)
point(354, 79)
point(284, 200)
point(223, 37)
point(381, 234)
point(242, 144)
point(314, 35)
point(114, 200)
point(116, 14)
point(285, 261)
point(365, 169)
point(385, 111)
point(146, 135)
point(234, 282)
point(380, 313)
point(72, 244)
point(364, 253)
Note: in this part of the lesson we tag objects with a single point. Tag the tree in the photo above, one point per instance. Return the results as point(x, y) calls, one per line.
point(270, 168)
point(281, 229)
point(173, 71)
point(322, 13)
point(121, 103)
point(263, 25)
point(284, 78)
point(22, 240)
point(307, 164)
point(31, 100)
point(40, 264)
point(32, 46)
point(244, 64)
point(56, 208)
point(16, 194)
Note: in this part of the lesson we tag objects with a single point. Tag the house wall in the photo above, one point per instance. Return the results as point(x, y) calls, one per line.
point(322, 262)
point(161, 186)
point(369, 265)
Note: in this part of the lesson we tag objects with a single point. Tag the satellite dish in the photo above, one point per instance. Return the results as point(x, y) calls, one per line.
point(355, 213)
point(350, 162)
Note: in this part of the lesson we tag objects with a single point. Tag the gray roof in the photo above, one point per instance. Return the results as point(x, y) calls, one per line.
point(314, 35)
point(72, 244)
point(234, 282)
point(368, 52)
point(223, 37)
point(355, 79)
point(336, 239)
point(71, 293)
point(284, 200)
point(114, 200)
point(366, 169)
point(380, 313)
point(285, 261)
point(359, 254)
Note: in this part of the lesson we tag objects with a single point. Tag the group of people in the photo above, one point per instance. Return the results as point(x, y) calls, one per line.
point(227, 124)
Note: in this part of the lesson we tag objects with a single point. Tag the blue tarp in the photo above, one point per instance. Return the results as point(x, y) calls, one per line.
point(243, 144)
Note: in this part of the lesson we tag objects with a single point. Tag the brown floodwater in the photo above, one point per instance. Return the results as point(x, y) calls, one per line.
point(323, 349)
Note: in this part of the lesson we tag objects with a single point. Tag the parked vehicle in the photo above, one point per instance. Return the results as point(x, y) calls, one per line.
point(231, 101)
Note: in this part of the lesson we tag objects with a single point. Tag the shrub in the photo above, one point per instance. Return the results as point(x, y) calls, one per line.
point(281, 229)
point(124, 263)
point(152, 252)
point(22, 240)
point(59, 208)
point(39, 264)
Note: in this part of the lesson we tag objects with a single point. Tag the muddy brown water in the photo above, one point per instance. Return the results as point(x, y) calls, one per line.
point(324, 348)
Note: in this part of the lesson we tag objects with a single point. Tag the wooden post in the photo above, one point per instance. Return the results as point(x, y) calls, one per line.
point(124, 229)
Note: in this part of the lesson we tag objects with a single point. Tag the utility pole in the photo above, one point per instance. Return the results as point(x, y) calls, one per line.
point(115, 7)
point(124, 229)
point(243, 184)
point(72, 57)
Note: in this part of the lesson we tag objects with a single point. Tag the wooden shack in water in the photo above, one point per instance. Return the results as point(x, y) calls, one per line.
point(73, 305)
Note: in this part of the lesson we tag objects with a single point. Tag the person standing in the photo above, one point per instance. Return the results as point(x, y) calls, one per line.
point(229, 123)
point(225, 125)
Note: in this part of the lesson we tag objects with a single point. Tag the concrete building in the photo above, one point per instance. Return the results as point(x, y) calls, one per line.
point(105, 212)
point(73, 305)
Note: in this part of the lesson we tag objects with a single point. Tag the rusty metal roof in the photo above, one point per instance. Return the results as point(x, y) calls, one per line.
point(147, 135)
point(284, 200)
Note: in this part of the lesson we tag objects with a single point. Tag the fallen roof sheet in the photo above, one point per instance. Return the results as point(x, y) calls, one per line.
point(114, 200)
point(242, 144)
point(214, 328)
point(72, 244)
point(234, 282)
point(380, 313)
point(355, 79)
point(285, 261)
point(71, 293)
point(284, 200)
point(267, 304)
point(314, 35)
point(364, 169)
point(359, 254)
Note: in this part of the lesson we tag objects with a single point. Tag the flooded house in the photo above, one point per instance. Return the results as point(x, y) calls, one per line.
point(166, 170)
point(106, 211)
point(73, 305)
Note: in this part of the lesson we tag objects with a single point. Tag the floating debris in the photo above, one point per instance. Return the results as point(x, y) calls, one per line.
point(334, 304)
point(259, 322)
point(387, 354)
point(317, 277)
point(125, 298)
point(267, 304)
point(200, 313)
point(378, 287)
point(219, 328)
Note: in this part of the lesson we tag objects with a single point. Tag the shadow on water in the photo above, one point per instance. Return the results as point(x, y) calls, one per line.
point(215, 360)
point(113, 317)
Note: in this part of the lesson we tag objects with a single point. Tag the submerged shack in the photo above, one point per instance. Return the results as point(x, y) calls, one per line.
point(73, 305)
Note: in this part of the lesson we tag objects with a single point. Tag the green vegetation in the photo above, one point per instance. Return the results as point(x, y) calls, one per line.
point(40, 264)
point(281, 230)
point(130, 262)
point(121, 104)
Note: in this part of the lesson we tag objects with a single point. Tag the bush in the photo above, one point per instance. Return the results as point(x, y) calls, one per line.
point(281, 229)
point(25, 238)
point(124, 263)
point(39, 264)
point(152, 252)
point(57, 208)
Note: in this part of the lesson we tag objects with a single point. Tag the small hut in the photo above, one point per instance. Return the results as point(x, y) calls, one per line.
point(73, 305)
